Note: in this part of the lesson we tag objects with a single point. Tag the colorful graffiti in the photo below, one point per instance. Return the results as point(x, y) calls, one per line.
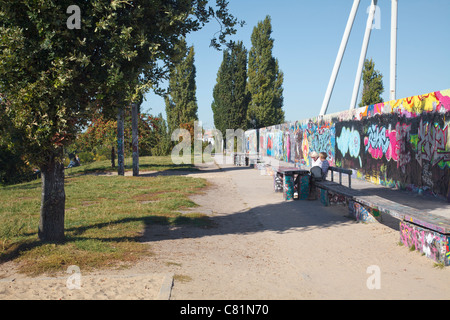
point(401, 143)
point(251, 141)
point(433, 244)
point(362, 213)
point(431, 144)
point(391, 144)
point(378, 142)
point(349, 141)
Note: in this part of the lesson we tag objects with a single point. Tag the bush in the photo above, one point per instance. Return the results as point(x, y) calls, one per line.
point(86, 157)
point(14, 169)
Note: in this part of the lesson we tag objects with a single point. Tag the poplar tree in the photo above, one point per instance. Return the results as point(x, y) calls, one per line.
point(265, 79)
point(181, 103)
point(230, 92)
point(163, 143)
point(372, 84)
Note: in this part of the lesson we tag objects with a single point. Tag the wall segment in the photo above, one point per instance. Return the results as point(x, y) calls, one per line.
point(403, 143)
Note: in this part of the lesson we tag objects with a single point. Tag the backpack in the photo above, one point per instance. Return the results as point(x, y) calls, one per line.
point(316, 173)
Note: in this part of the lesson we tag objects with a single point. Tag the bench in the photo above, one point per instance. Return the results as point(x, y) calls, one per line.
point(240, 159)
point(341, 171)
point(362, 206)
point(428, 234)
point(332, 192)
point(421, 231)
point(288, 180)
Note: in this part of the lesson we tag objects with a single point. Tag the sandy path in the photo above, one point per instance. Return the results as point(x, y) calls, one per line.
point(261, 247)
point(265, 248)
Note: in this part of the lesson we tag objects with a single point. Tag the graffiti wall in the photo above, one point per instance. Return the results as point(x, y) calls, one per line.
point(401, 143)
point(432, 244)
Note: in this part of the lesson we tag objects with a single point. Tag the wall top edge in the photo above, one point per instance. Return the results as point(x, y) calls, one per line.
point(436, 101)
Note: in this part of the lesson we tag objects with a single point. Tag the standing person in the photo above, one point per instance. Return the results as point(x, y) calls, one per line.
point(324, 165)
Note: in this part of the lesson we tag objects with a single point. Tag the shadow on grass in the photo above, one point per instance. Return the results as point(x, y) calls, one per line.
point(87, 169)
point(24, 186)
point(74, 234)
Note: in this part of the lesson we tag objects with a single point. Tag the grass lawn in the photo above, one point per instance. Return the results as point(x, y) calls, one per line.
point(145, 164)
point(104, 221)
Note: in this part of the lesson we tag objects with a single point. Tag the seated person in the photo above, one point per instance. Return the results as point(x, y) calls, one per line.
point(315, 159)
point(316, 173)
point(324, 165)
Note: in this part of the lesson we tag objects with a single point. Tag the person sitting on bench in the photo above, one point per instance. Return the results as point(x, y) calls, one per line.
point(319, 172)
point(324, 165)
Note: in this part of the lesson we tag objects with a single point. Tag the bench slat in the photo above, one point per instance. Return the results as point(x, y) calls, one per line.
point(337, 188)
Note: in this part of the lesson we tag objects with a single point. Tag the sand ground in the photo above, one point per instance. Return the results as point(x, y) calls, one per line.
point(259, 247)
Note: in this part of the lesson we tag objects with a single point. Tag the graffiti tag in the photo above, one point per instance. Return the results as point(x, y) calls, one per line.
point(431, 144)
point(349, 141)
point(377, 142)
point(432, 244)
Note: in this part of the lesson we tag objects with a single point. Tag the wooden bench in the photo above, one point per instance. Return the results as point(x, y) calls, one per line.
point(421, 231)
point(428, 234)
point(341, 171)
point(289, 179)
point(331, 191)
point(382, 205)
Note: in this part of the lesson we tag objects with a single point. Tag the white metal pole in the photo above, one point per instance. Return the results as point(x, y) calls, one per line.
point(363, 53)
point(340, 54)
point(394, 16)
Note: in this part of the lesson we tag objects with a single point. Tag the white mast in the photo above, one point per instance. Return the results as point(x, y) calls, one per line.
point(363, 53)
point(394, 14)
point(338, 61)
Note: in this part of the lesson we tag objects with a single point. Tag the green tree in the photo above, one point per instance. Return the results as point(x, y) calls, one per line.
point(372, 84)
point(265, 79)
point(53, 78)
point(181, 103)
point(230, 93)
point(163, 144)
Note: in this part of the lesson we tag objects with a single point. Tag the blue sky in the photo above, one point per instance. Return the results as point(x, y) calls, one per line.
point(307, 36)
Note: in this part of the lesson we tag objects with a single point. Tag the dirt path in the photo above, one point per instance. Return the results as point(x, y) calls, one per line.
point(264, 248)
point(261, 247)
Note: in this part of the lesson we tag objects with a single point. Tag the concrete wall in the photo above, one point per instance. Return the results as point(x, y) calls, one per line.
point(401, 143)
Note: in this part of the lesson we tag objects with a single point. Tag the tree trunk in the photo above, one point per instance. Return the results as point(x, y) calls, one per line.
point(113, 157)
point(120, 143)
point(135, 142)
point(51, 224)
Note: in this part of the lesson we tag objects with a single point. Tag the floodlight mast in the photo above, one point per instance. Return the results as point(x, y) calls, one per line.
point(338, 61)
point(369, 26)
point(394, 28)
point(362, 57)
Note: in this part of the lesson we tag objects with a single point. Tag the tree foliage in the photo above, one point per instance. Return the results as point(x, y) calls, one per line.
point(372, 84)
point(53, 79)
point(265, 79)
point(163, 144)
point(230, 93)
point(100, 136)
point(181, 101)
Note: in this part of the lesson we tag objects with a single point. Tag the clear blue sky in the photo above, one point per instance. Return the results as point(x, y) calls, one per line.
point(307, 36)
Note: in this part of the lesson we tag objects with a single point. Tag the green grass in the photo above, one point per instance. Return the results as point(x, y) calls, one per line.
point(104, 221)
point(145, 164)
